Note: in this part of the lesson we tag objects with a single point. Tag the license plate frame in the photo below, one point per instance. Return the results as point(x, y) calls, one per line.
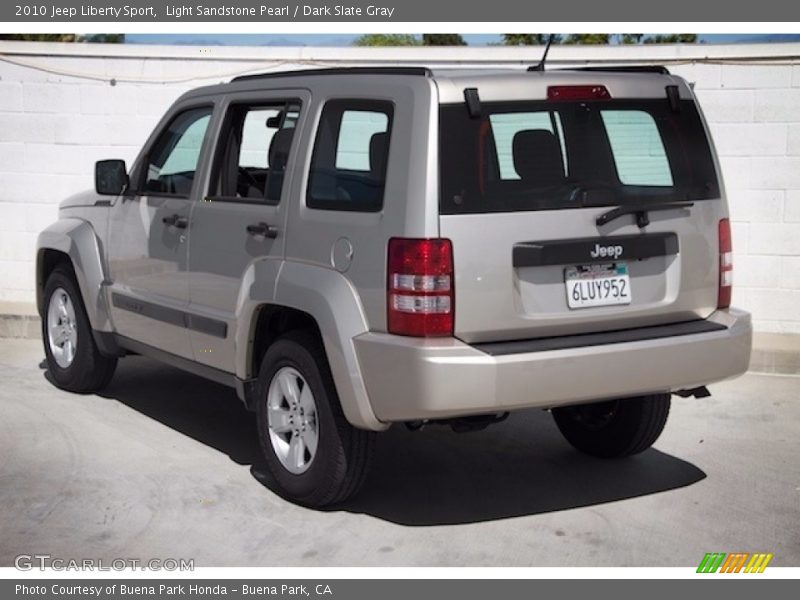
point(598, 284)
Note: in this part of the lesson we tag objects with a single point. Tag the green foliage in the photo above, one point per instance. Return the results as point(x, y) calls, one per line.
point(387, 39)
point(98, 38)
point(40, 37)
point(531, 39)
point(629, 38)
point(442, 39)
point(673, 38)
point(104, 38)
point(402, 39)
point(528, 39)
point(588, 38)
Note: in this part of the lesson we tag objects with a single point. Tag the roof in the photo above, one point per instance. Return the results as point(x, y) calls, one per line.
point(493, 84)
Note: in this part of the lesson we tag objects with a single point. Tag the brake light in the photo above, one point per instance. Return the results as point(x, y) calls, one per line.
point(578, 92)
point(725, 264)
point(419, 290)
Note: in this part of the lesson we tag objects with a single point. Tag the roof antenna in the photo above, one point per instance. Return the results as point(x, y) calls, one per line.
point(540, 66)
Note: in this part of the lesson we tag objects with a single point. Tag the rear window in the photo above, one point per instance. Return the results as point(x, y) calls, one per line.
point(548, 155)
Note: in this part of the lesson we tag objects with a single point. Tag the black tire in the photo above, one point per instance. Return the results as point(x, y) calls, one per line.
point(343, 453)
point(615, 428)
point(90, 370)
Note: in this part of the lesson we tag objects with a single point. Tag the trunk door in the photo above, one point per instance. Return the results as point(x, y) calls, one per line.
point(522, 188)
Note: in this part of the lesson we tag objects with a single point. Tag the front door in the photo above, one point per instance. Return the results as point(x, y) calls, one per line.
point(148, 237)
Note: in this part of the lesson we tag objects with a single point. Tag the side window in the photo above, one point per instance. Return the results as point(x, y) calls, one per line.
point(252, 157)
point(509, 145)
point(637, 147)
point(348, 166)
point(172, 161)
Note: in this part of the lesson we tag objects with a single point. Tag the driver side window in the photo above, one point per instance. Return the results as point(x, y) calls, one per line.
point(172, 161)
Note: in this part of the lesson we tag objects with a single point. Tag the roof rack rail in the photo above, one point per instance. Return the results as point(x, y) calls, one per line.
point(416, 71)
point(660, 69)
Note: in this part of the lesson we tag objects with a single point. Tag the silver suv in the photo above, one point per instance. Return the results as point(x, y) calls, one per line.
point(353, 248)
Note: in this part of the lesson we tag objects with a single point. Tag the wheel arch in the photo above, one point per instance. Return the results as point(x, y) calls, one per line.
point(325, 302)
point(47, 260)
point(74, 242)
point(270, 322)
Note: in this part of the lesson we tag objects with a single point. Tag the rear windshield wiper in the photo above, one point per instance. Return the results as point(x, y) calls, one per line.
point(640, 210)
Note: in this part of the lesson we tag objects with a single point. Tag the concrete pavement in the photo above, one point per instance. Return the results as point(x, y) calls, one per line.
point(166, 465)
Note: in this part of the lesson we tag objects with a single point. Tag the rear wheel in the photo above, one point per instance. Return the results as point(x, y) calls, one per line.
point(314, 455)
point(73, 359)
point(614, 428)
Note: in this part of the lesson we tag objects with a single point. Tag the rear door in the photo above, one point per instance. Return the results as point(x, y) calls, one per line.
point(241, 219)
point(523, 186)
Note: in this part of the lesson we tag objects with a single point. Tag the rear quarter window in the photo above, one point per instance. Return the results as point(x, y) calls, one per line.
point(351, 155)
point(355, 136)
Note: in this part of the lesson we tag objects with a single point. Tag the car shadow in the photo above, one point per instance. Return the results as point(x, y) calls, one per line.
point(519, 467)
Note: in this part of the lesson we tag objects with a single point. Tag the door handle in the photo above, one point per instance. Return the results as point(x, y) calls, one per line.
point(176, 221)
point(263, 229)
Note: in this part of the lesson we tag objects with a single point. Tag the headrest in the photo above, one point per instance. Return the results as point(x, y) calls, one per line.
point(378, 154)
point(537, 157)
point(279, 147)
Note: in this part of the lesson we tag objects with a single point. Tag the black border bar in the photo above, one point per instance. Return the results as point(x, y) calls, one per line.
point(584, 250)
point(599, 339)
point(173, 316)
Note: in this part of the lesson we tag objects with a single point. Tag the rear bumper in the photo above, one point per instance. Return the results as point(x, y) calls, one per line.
point(413, 378)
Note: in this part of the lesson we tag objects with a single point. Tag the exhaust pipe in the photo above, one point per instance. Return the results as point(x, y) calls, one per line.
point(698, 392)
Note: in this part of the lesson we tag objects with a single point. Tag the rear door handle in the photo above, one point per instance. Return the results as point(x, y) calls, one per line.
point(176, 221)
point(263, 229)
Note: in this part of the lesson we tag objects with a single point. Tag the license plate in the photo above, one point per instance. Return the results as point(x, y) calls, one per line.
point(597, 285)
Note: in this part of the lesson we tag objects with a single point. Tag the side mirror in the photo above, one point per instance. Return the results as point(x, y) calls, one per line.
point(110, 177)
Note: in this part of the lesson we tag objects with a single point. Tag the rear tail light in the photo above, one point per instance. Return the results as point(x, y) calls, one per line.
point(578, 92)
point(419, 290)
point(725, 264)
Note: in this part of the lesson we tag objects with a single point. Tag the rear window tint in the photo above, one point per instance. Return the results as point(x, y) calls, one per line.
point(637, 147)
point(355, 135)
point(350, 158)
point(506, 126)
point(549, 155)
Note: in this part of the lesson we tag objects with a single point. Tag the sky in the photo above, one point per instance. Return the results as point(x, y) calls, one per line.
point(344, 39)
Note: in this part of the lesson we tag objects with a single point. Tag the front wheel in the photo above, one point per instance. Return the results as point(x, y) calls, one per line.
point(614, 428)
point(314, 455)
point(73, 359)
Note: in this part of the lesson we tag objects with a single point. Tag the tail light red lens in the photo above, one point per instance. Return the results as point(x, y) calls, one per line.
point(420, 294)
point(725, 264)
point(578, 92)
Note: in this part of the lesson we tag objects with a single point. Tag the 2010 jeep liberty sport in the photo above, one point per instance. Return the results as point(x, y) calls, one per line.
point(353, 248)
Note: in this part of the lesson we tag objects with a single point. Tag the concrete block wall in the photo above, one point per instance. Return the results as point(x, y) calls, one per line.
point(64, 106)
point(754, 115)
